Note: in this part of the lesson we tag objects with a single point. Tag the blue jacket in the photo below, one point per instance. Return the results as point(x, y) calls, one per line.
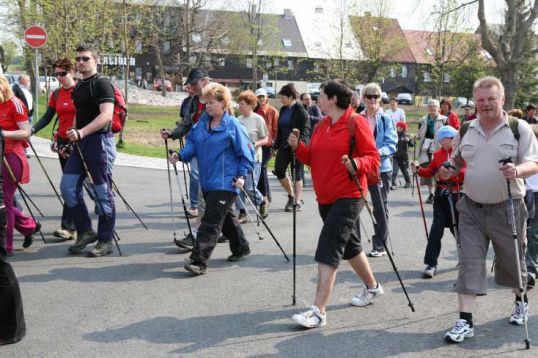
point(386, 140)
point(223, 153)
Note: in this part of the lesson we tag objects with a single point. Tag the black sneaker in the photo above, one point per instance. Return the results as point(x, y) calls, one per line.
point(83, 241)
point(242, 218)
point(236, 258)
point(289, 205)
point(430, 199)
point(186, 243)
point(101, 249)
point(197, 269)
point(29, 240)
point(222, 239)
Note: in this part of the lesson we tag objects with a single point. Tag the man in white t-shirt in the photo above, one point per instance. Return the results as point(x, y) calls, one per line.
point(395, 113)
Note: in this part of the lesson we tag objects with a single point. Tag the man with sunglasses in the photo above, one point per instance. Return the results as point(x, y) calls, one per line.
point(93, 97)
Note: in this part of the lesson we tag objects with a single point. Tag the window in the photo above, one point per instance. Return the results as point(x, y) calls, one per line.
point(317, 43)
point(392, 72)
point(167, 21)
point(446, 78)
point(429, 51)
point(290, 64)
point(287, 42)
point(196, 38)
point(226, 40)
point(348, 45)
point(222, 61)
point(404, 71)
point(487, 55)
point(166, 47)
point(427, 77)
point(249, 63)
point(277, 62)
point(138, 46)
point(316, 66)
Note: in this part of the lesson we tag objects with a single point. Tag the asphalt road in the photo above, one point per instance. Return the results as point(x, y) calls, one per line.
point(145, 305)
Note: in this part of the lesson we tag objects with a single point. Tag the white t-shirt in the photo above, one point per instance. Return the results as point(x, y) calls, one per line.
point(29, 97)
point(256, 128)
point(397, 115)
point(531, 183)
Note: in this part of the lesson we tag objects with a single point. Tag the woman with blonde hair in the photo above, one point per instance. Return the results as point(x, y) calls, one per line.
point(225, 157)
point(14, 130)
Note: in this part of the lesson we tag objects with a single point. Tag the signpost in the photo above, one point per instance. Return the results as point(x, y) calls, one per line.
point(36, 37)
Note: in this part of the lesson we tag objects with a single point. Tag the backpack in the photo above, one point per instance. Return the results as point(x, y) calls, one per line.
point(513, 123)
point(373, 178)
point(119, 114)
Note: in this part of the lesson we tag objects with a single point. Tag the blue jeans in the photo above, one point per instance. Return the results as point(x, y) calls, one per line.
point(194, 183)
point(531, 199)
point(250, 187)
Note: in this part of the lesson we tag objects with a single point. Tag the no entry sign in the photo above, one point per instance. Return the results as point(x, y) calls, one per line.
point(35, 36)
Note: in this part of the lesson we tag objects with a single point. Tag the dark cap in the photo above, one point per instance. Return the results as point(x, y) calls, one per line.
point(531, 106)
point(195, 75)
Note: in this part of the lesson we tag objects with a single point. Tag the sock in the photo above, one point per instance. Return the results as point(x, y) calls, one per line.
point(468, 317)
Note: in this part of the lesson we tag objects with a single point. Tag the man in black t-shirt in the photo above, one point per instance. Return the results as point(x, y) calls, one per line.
point(93, 97)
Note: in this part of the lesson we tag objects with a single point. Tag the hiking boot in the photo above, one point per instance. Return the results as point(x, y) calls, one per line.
point(310, 318)
point(430, 199)
point(520, 314)
point(242, 218)
point(393, 187)
point(65, 234)
point(195, 268)
point(377, 253)
point(222, 239)
point(186, 243)
point(299, 207)
point(87, 238)
point(289, 204)
point(101, 249)
point(429, 271)
point(459, 332)
point(29, 240)
point(264, 209)
point(236, 258)
point(531, 280)
point(366, 295)
point(192, 213)
point(407, 185)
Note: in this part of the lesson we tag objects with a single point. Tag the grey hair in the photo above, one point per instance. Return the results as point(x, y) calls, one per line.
point(371, 88)
point(434, 102)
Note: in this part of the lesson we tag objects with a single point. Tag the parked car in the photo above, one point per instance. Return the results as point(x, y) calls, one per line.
point(158, 85)
point(459, 102)
point(404, 98)
point(52, 82)
point(11, 79)
point(384, 97)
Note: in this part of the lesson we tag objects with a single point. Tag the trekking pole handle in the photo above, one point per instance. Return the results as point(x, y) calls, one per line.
point(352, 163)
point(505, 161)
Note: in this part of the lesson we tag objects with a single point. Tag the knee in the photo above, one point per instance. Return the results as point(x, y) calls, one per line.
point(103, 202)
point(68, 187)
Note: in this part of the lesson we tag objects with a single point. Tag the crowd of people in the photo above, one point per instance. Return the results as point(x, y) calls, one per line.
point(477, 169)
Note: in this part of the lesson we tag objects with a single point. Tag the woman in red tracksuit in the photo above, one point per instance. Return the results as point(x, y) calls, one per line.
point(61, 103)
point(444, 191)
point(339, 199)
point(14, 130)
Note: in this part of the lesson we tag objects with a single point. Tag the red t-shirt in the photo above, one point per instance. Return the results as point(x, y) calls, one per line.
point(199, 111)
point(441, 156)
point(12, 112)
point(454, 120)
point(328, 144)
point(65, 108)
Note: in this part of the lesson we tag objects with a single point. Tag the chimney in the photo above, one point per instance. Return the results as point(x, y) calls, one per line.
point(288, 14)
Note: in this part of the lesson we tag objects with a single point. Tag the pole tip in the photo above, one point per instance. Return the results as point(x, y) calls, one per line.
point(527, 344)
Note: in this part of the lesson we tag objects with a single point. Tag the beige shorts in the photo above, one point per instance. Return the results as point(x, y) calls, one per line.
point(478, 225)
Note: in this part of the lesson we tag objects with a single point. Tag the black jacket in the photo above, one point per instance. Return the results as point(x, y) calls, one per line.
point(404, 142)
point(17, 91)
point(299, 120)
point(186, 123)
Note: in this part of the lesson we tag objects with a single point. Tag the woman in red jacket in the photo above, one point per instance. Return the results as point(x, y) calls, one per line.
point(61, 103)
point(446, 110)
point(14, 130)
point(339, 199)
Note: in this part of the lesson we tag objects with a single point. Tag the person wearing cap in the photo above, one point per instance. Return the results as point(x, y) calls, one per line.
point(401, 157)
point(442, 216)
point(530, 114)
point(270, 115)
point(196, 81)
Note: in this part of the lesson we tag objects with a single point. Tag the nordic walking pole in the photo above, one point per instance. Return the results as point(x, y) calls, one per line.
point(170, 189)
point(415, 177)
point(129, 207)
point(356, 180)
point(522, 289)
point(182, 144)
point(115, 235)
point(414, 161)
point(182, 198)
point(294, 181)
point(23, 196)
point(249, 217)
point(22, 192)
point(46, 174)
point(254, 192)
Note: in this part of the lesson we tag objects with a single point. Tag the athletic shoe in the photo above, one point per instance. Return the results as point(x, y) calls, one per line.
point(429, 271)
point(459, 332)
point(366, 295)
point(310, 318)
point(299, 207)
point(65, 234)
point(186, 243)
point(242, 218)
point(430, 199)
point(264, 209)
point(29, 240)
point(192, 213)
point(377, 253)
point(393, 187)
point(222, 239)
point(87, 238)
point(236, 258)
point(197, 269)
point(101, 249)
point(531, 280)
point(520, 314)
point(407, 185)
point(289, 205)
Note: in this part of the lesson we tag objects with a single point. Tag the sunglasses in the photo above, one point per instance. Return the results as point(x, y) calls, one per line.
point(82, 58)
point(60, 74)
point(372, 96)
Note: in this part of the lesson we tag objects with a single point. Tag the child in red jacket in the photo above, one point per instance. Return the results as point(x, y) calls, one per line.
point(445, 190)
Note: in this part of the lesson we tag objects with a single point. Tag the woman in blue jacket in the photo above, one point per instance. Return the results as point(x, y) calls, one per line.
point(225, 156)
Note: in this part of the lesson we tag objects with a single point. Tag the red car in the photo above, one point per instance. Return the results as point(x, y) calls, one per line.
point(158, 85)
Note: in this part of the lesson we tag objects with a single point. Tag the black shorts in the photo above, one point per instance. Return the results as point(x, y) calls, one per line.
point(339, 238)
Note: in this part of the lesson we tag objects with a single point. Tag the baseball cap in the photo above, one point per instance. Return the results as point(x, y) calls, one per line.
point(261, 92)
point(195, 75)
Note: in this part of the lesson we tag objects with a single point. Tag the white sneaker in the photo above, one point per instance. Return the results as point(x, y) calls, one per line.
point(311, 318)
point(520, 314)
point(459, 332)
point(376, 253)
point(429, 271)
point(366, 295)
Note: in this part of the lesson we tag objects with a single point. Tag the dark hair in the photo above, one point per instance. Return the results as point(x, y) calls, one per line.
point(339, 88)
point(88, 48)
point(447, 102)
point(393, 99)
point(303, 94)
point(289, 91)
point(64, 63)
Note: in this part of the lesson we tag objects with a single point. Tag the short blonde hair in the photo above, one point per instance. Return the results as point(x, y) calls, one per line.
point(6, 93)
point(488, 82)
point(220, 93)
point(371, 88)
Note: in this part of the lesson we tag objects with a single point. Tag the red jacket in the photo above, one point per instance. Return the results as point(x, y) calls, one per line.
point(328, 144)
point(453, 120)
point(439, 158)
point(270, 115)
